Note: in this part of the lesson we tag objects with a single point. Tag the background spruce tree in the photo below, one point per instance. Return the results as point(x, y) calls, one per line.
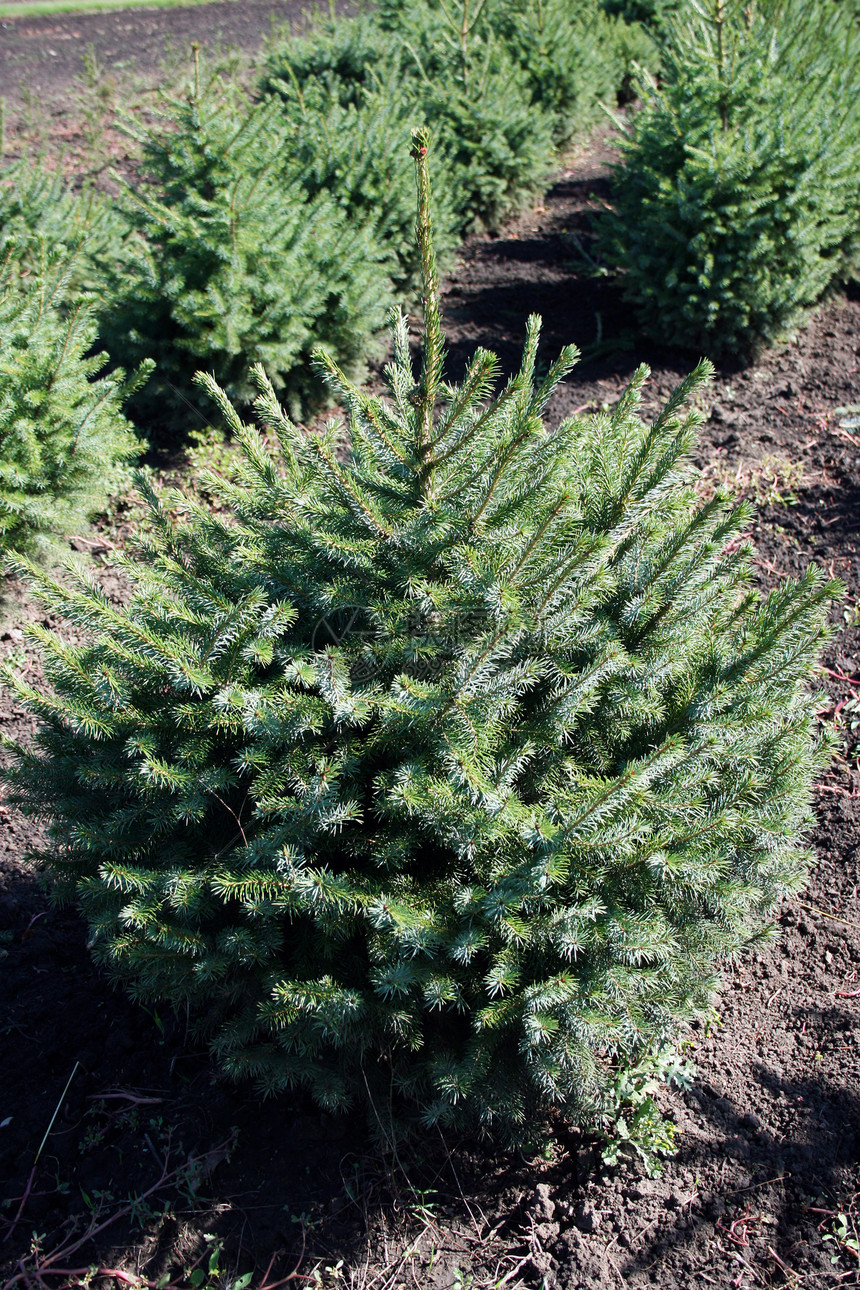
point(347, 144)
point(736, 201)
point(503, 84)
point(452, 762)
point(499, 143)
point(64, 440)
point(232, 263)
point(41, 215)
point(348, 57)
point(576, 60)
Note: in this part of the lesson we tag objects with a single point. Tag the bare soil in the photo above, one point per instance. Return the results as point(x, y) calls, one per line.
point(43, 57)
point(768, 1155)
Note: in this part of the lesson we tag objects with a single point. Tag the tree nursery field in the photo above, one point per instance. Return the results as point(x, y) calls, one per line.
point(431, 790)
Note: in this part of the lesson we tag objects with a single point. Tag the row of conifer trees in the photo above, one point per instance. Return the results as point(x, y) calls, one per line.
point(264, 221)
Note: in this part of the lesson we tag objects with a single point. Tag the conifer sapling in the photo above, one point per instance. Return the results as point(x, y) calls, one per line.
point(450, 765)
point(231, 262)
point(64, 441)
point(736, 198)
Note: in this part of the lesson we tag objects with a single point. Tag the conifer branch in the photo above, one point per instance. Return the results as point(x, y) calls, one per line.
point(433, 343)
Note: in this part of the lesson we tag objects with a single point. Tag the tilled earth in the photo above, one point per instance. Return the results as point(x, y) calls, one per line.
point(763, 1190)
point(43, 57)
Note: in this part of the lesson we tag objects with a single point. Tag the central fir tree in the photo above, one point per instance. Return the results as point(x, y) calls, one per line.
point(453, 762)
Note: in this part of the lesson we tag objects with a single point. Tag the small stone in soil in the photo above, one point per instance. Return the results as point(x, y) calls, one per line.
point(544, 1207)
point(587, 1218)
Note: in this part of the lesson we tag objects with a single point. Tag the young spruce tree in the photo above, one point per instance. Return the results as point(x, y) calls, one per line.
point(231, 261)
point(41, 215)
point(351, 151)
point(452, 763)
point(736, 199)
point(63, 437)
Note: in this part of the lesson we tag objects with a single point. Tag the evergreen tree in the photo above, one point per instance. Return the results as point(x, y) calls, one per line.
point(349, 147)
point(232, 263)
point(497, 143)
point(347, 57)
point(502, 83)
point(575, 58)
point(500, 143)
point(40, 214)
point(450, 764)
point(469, 86)
point(63, 437)
point(736, 200)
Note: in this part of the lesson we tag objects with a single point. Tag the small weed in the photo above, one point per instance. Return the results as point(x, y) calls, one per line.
point(851, 613)
point(158, 1023)
point(423, 1201)
point(331, 1274)
point(713, 1023)
point(845, 1234)
point(843, 1231)
point(635, 1125)
point(97, 97)
point(770, 481)
point(212, 1276)
point(92, 1137)
point(307, 1221)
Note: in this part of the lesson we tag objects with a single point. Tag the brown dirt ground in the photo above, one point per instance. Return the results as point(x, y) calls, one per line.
point(770, 1132)
point(42, 58)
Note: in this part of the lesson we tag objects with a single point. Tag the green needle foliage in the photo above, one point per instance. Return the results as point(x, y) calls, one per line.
point(350, 148)
point(233, 263)
point(499, 144)
point(450, 764)
point(503, 84)
point(63, 437)
point(575, 58)
point(348, 57)
point(736, 201)
point(40, 214)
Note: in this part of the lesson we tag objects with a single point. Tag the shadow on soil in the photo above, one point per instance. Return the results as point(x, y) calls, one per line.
point(767, 1212)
